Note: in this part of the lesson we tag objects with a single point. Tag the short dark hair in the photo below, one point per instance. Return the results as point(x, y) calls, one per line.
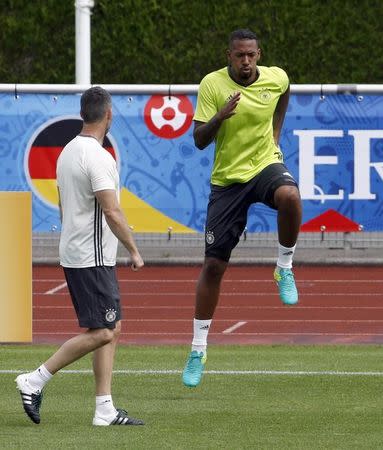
point(94, 104)
point(242, 34)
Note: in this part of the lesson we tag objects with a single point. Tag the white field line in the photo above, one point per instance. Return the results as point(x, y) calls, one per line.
point(230, 294)
point(233, 328)
point(252, 280)
point(293, 373)
point(55, 289)
point(127, 307)
point(72, 333)
point(236, 325)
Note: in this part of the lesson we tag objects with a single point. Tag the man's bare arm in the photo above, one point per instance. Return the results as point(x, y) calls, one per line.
point(205, 132)
point(117, 223)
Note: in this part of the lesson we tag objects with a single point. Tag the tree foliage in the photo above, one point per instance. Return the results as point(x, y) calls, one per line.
point(179, 41)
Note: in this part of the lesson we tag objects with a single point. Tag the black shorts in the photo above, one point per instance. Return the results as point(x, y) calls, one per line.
point(228, 207)
point(95, 296)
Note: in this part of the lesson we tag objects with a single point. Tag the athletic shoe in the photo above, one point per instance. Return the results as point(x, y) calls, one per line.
point(121, 418)
point(286, 284)
point(193, 370)
point(30, 397)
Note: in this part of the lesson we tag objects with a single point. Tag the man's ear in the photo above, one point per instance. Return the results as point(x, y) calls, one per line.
point(228, 56)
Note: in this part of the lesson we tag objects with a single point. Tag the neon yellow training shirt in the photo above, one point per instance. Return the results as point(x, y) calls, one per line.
point(244, 144)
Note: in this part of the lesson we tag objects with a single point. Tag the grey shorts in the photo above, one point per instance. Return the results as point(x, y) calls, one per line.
point(95, 296)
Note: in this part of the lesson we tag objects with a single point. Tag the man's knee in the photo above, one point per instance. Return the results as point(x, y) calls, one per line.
point(214, 268)
point(287, 197)
point(103, 336)
point(117, 330)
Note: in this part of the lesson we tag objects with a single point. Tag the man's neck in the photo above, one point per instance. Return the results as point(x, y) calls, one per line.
point(240, 81)
point(94, 132)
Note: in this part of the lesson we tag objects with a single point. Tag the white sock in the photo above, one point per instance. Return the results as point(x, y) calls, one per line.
point(39, 378)
point(285, 256)
point(104, 406)
point(201, 330)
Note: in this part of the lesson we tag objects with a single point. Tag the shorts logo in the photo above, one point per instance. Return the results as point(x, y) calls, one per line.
point(210, 237)
point(110, 315)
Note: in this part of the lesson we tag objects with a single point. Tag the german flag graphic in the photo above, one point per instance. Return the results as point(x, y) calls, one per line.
point(43, 154)
point(40, 167)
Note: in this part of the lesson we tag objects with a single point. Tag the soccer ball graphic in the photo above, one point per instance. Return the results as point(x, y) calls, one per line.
point(167, 116)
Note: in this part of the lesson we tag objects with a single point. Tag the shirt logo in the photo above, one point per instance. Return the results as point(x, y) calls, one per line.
point(264, 95)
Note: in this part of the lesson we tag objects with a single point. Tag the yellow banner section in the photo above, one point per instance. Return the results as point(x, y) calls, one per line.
point(141, 215)
point(16, 267)
point(145, 219)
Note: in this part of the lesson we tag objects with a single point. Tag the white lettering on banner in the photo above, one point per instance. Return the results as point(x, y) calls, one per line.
point(362, 164)
point(308, 160)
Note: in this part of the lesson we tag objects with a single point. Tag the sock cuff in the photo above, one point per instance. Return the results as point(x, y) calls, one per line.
point(283, 248)
point(202, 323)
point(201, 331)
point(285, 256)
point(103, 398)
point(44, 373)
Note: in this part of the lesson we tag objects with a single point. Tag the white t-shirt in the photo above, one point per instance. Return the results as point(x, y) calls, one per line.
point(83, 168)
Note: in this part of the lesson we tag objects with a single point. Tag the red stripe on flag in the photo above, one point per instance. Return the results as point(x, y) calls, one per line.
point(111, 151)
point(43, 160)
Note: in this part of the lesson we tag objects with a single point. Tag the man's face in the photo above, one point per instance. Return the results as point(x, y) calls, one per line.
point(243, 57)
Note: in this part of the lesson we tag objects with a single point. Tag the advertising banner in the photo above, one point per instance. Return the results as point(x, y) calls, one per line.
point(332, 145)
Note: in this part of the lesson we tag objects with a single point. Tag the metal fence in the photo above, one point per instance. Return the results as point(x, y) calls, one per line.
point(186, 89)
point(363, 248)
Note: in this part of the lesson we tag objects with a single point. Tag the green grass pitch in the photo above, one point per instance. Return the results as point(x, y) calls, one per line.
point(295, 397)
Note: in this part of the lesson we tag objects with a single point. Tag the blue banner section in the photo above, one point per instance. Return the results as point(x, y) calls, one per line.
point(333, 146)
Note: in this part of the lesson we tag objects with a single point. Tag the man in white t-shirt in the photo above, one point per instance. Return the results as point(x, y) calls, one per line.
point(92, 224)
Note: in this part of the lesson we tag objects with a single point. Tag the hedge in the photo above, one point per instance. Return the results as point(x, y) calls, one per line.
point(177, 41)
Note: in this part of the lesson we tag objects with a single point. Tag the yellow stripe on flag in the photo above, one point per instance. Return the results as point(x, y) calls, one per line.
point(47, 188)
